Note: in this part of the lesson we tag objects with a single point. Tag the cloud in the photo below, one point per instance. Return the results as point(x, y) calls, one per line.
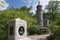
point(29, 2)
point(55, 0)
point(3, 5)
point(44, 3)
point(34, 3)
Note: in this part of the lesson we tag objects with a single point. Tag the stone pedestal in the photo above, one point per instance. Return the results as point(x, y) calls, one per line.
point(17, 29)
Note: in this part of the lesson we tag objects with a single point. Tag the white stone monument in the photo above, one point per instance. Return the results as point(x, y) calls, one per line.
point(17, 30)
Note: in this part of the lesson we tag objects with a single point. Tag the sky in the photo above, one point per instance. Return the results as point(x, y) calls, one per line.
point(20, 3)
point(3, 5)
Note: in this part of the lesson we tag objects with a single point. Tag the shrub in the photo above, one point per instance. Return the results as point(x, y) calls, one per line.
point(33, 30)
point(55, 30)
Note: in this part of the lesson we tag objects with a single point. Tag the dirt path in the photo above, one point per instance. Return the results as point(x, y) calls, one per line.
point(39, 37)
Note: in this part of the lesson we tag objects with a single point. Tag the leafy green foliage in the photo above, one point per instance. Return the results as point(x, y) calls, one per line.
point(53, 9)
point(55, 30)
point(33, 30)
point(12, 13)
point(54, 15)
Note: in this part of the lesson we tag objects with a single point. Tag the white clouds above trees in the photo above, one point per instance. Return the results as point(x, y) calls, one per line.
point(34, 3)
point(3, 5)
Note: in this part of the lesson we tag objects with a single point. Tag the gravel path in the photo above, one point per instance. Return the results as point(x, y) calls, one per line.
point(39, 37)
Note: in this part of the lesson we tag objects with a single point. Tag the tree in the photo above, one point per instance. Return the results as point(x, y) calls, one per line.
point(54, 15)
point(12, 13)
point(53, 9)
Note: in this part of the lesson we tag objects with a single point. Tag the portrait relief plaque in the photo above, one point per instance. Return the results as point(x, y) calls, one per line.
point(21, 30)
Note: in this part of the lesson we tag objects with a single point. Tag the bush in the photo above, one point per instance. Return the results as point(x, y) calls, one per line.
point(55, 30)
point(58, 22)
point(3, 37)
point(55, 35)
point(33, 30)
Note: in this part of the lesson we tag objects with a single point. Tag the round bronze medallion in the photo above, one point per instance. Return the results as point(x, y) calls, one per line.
point(21, 30)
